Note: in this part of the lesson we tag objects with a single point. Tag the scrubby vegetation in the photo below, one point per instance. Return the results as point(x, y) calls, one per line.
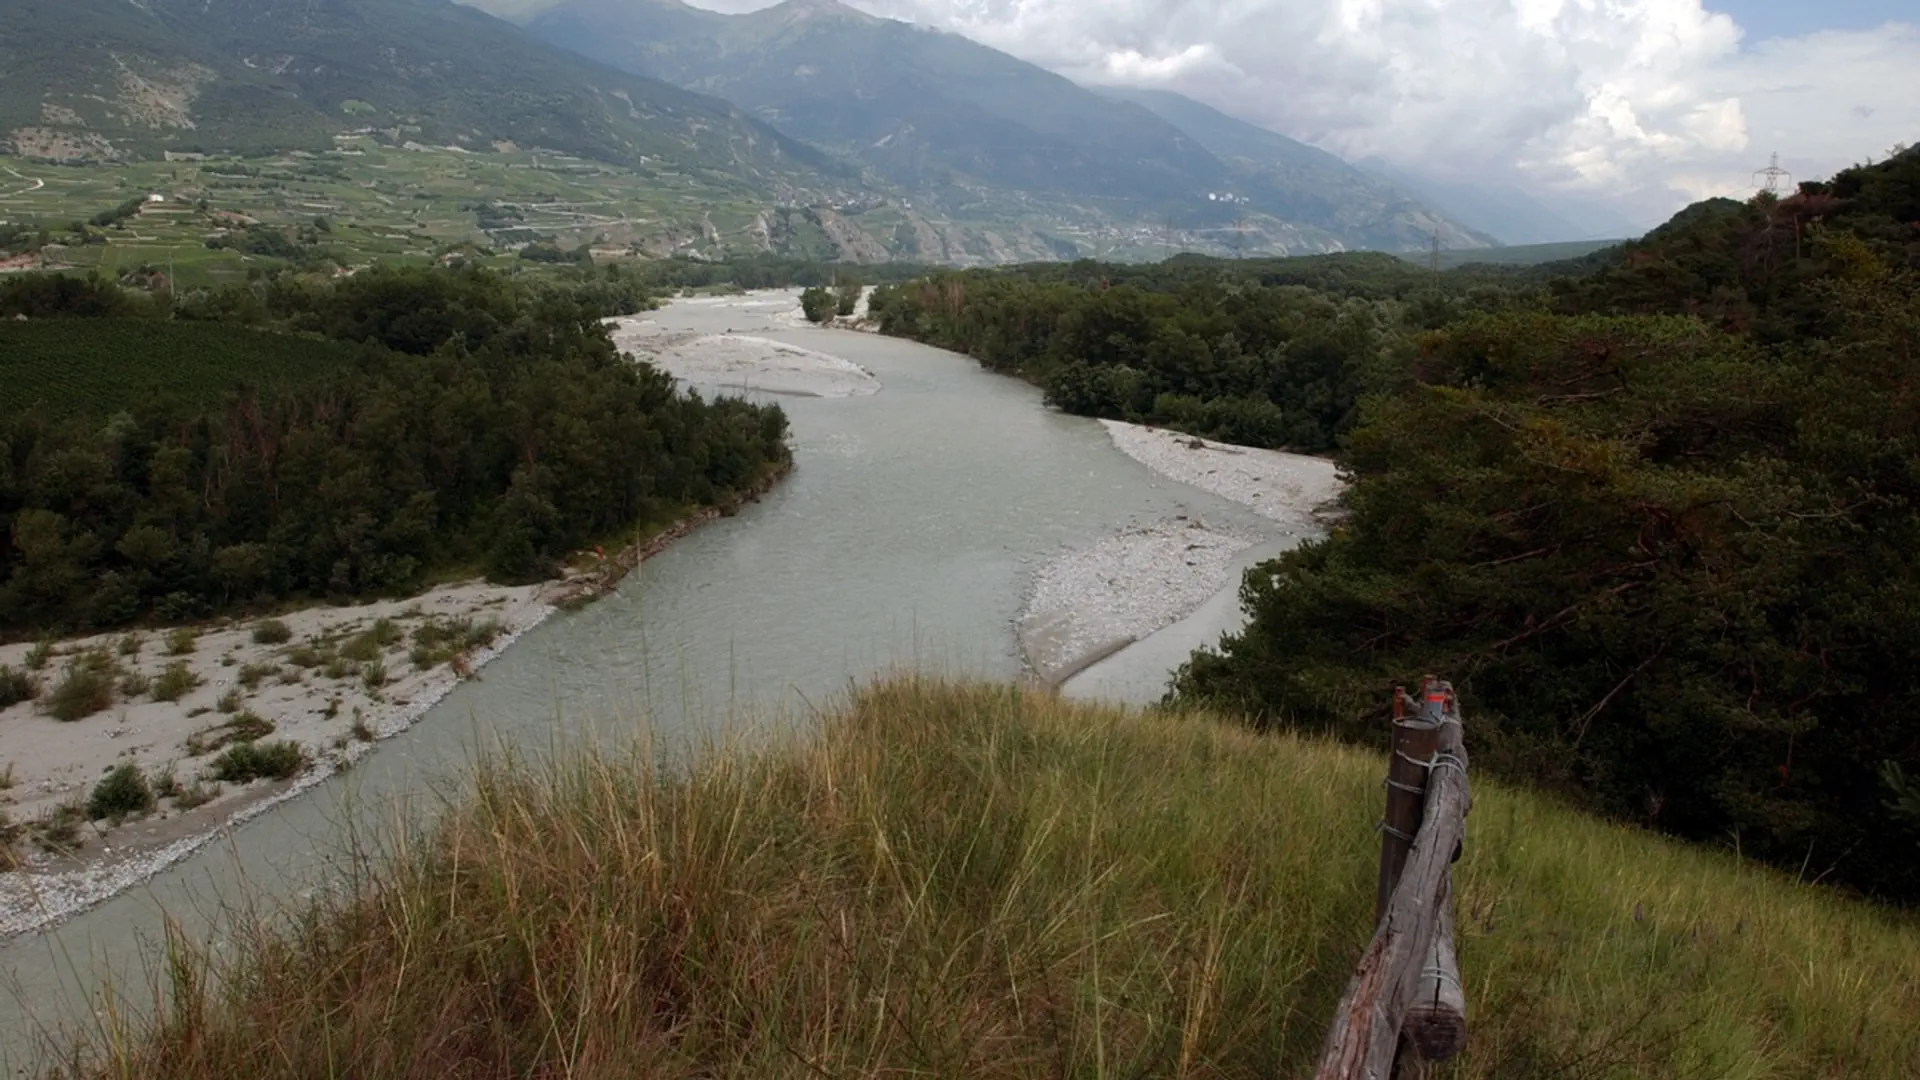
point(245, 761)
point(972, 881)
point(121, 794)
point(437, 420)
point(87, 687)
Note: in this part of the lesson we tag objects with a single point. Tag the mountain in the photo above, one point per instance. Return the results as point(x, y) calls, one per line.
point(1509, 214)
point(108, 79)
point(982, 135)
point(1312, 183)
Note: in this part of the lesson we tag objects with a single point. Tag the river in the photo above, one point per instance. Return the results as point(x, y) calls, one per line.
point(906, 536)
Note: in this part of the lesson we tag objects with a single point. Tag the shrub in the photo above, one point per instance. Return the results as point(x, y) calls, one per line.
point(308, 656)
point(121, 794)
point(369, 643)
point(198, 793)
point(86, 689)
point(59, 831)
point(272, 632)
point(181, 642)
point(129, 645)
point(38, 656)
point(16, 686)
point(247, 761)
point(135, 683)
point(175, 682)
point(439, 640)
point(230, 701)
point(817, 304)
point(246, 727)
point(374, 674)
point(251, 674)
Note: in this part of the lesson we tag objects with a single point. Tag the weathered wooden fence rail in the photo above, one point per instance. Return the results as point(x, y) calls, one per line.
point(1405, 1003)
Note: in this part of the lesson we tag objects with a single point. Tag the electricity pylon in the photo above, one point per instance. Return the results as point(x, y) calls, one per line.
point(1768, 179)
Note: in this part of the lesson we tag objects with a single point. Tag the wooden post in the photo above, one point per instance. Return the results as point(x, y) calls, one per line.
point(1436, 1022)
point(1414, 740)
point(1370, 1022)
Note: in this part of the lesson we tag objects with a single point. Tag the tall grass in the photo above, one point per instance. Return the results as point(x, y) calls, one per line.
point(969, 881)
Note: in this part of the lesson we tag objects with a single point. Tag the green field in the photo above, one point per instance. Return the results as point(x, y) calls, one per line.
point(973, 881)
point(96, 367)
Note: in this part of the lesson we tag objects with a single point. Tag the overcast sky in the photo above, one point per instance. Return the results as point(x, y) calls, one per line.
point(1643, 104)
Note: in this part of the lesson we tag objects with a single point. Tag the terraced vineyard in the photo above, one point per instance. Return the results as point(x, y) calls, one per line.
point(380, 204)
point(81, 367)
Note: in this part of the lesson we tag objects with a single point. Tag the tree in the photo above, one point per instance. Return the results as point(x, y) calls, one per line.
point(817, 304)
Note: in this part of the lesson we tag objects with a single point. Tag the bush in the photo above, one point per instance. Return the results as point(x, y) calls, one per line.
point(16, 686)
point(181, 642)
point(249, 726)
point(439, 640)
point(135, 683)
point(369, 643)
point(121, 794)
point(817, 304)
point(175, 682)
point(252, 674)
point(247, 761)
point(272, 632)
point(86, 689)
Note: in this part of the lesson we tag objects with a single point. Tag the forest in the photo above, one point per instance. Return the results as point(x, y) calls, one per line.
point(1268, 352)
point(1655, 512)
point(392, 429)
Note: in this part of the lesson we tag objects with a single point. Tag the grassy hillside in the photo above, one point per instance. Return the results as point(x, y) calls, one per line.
point(95, 367)
point(972, 881)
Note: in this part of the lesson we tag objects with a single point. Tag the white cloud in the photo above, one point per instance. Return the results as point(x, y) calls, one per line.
point(1645, 104)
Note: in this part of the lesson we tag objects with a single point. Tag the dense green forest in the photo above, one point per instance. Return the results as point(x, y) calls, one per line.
point(1656, 512)
point(391, 428)
point(1267, 352)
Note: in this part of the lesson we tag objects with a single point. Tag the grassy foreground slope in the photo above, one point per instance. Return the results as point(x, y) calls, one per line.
point(972, 881)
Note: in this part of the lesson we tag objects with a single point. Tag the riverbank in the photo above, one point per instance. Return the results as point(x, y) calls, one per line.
point(1063, 890)
point(1091, 602)
point(332, 681)
point(742, 362)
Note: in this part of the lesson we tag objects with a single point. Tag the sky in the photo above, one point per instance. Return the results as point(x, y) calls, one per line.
point(1643, 106)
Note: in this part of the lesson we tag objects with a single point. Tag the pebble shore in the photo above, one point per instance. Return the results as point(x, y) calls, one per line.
point(1090, 603)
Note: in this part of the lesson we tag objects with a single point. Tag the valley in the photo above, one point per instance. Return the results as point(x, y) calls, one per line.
point(598, 538)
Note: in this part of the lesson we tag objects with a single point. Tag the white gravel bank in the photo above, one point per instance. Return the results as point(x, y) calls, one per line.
point(1089, 603)
point(743, 362)
point(50, 763)
point(1289, 488)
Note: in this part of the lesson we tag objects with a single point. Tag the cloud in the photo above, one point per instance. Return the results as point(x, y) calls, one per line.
point(1644, 104)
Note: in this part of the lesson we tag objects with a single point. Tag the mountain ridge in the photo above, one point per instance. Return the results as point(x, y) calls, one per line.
point(981, 132)
point(251, 75)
